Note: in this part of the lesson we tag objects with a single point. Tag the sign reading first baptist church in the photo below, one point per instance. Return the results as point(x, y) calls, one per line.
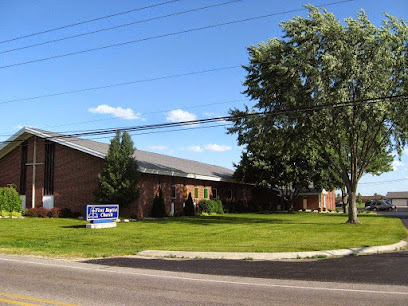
point(101, 215)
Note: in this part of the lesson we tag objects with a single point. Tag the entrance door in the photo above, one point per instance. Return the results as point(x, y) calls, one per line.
point(304, 203)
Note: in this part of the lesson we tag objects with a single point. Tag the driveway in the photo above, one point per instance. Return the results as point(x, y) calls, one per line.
point(401, 213)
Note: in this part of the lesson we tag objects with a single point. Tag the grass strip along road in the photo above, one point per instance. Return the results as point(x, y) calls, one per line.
point(275, 232)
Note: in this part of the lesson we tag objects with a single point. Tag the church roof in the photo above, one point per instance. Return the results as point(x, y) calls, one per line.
point(397, 195)
point(149, 162)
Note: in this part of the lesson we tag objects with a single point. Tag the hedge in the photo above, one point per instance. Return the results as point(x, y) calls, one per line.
point(56, 212)
point(211, 206)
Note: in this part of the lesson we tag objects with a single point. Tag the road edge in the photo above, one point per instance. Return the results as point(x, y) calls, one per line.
point(403, 244)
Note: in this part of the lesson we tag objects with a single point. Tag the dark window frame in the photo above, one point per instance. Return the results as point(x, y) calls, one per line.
point(49, 165)
point(215, 196)
point(174, 192)
point(23, 168)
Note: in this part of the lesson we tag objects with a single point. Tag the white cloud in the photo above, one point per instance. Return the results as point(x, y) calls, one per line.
point(119, 112)
point(178, 115)
point(396, 164)
point(158, 148)
point(195, 148)
point(406, 151)
point(217, 148)
point(19, 127)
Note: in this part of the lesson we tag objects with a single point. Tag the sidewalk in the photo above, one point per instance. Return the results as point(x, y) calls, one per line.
point(275, 256)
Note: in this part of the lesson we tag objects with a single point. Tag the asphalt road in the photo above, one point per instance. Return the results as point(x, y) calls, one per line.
point(31, 281)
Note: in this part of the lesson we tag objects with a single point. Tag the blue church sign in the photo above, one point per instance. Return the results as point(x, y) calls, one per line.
point(101, 213)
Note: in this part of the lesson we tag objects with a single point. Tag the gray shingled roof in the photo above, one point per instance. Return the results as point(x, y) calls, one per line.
point(397, 195)
point(148, 162)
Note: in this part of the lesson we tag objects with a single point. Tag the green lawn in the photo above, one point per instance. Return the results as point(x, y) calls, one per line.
point(277, 232)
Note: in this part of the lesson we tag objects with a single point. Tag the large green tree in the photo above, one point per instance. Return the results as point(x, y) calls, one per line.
point(270, 160)
point(345, 84)
point(118, 180)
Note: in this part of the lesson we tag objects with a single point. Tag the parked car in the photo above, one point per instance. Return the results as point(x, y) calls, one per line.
point(382, 205)
point(367, 205)
point(339, 204)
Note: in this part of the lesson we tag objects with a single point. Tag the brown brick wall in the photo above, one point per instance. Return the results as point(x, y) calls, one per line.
point(149, 185)
point(75, 175)
point(331, 200)
point(76, 178)
point(10, 168)
point(313, 201)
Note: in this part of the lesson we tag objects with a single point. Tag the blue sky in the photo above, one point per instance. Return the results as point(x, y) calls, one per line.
point(194, 96)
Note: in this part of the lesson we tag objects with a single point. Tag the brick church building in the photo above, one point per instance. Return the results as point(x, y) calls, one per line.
point(52, 170)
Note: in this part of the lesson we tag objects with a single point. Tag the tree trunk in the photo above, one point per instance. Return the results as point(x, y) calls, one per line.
point(352, 211)
point(344, 198)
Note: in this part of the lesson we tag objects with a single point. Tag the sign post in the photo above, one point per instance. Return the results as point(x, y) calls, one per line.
point(101, 215)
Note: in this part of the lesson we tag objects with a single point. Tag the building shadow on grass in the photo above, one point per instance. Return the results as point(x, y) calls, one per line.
point(220, 219)
point(376, 269)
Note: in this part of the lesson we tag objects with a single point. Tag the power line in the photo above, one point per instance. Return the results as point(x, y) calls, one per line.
point(168, 131)
point(231, 118)
point(161, 36)
point(119, 26)
point(87, 21)
point(227, 118)
point(384, 182)
point(172, 76)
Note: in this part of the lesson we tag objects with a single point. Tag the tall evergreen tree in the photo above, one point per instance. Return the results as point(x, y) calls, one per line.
point(118, 180)
point(189, 206)
point(159, 208)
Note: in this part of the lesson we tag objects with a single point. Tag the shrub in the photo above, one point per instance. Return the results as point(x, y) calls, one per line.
point(206, 206)
point(54, 212)
point(236, 206)
point(211, 206)
point(189, 206)
point(9, 199)
point(220, 209)
point(159, 209)
point(40, 212)
point(4, 213)
point(29, 212)
point(66, 213)
point(15, 214)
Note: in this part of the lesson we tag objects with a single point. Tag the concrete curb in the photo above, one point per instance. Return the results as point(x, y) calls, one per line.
point(275, 256)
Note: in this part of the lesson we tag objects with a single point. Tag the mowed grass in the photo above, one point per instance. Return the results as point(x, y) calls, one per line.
point(276, 232)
